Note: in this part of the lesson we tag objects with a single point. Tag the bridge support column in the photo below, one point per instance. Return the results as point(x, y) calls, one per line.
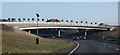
point(59, 32)
point(85, 32)
point(29, 31)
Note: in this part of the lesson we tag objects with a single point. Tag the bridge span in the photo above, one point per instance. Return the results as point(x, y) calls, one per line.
point(41, 25)
point(57, 25)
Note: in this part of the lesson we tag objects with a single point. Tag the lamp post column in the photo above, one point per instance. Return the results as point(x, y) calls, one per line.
point(37, 39)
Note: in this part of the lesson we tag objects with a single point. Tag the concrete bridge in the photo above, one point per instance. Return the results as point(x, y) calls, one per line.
point(41, 25)
point(57, 25)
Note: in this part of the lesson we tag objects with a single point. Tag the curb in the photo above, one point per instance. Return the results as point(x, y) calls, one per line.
point(74, 48)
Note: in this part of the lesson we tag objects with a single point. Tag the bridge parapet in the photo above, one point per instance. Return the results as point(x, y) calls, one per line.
point(52, 24)
point(45, 23)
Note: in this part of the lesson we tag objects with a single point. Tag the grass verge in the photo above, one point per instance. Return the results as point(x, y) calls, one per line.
point(17, 41)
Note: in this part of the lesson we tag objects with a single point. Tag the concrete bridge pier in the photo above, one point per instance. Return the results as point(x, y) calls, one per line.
point(85, 33)
point(29, 31)
point(59, 33)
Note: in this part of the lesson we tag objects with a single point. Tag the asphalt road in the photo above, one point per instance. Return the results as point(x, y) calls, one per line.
point(94, 46)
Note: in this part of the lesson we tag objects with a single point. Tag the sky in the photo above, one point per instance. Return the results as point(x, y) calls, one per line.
point(106, 12)
point(60, 0)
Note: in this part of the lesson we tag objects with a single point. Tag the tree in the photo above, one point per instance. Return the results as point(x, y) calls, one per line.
point(95, 22)
point(23, 19)
point(4, 20)
point(13, 20)
point(66, 20)
point(8, 19)
point(38, 19)
point(28, 19)
point(32, 19)
point(19, 19)
point(81, 21)
point(71, 20)
point(62, 20)
point(76, 21)
point(86, 22)
point(91, 23)
point(42, 19)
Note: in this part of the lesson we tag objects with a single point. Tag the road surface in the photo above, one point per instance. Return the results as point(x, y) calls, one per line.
point(94, 46)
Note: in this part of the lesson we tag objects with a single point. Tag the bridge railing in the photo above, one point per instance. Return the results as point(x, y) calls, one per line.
point(26, 24)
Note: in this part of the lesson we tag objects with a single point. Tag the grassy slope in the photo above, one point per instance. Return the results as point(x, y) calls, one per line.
point(21, 42)
point(114, 33)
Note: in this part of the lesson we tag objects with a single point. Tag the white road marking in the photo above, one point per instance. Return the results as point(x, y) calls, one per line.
point(109, 46)
point(74, 48)
point(117, 49)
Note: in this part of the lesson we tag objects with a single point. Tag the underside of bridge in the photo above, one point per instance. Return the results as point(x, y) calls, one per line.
point(57, 32)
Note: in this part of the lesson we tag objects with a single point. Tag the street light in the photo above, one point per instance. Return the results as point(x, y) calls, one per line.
point(37, 39)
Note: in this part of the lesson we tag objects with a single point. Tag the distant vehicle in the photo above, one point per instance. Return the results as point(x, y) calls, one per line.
point(103, 37)
point(76, 38)
point(83, 37)
point(53, 37)
point(53, 20)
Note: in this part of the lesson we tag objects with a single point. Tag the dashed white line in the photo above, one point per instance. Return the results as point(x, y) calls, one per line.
point(109, 46)
point(117, 49)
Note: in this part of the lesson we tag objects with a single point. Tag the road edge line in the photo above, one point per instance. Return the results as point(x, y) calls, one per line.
point(74, 48)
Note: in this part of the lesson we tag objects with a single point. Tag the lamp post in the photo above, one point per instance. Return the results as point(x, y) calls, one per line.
point(37, 39)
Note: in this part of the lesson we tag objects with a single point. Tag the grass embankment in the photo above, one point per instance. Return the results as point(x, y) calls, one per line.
point(16, 41)
point(114, 33)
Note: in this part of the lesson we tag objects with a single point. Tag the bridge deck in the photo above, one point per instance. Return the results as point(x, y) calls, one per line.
point(33, 25)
